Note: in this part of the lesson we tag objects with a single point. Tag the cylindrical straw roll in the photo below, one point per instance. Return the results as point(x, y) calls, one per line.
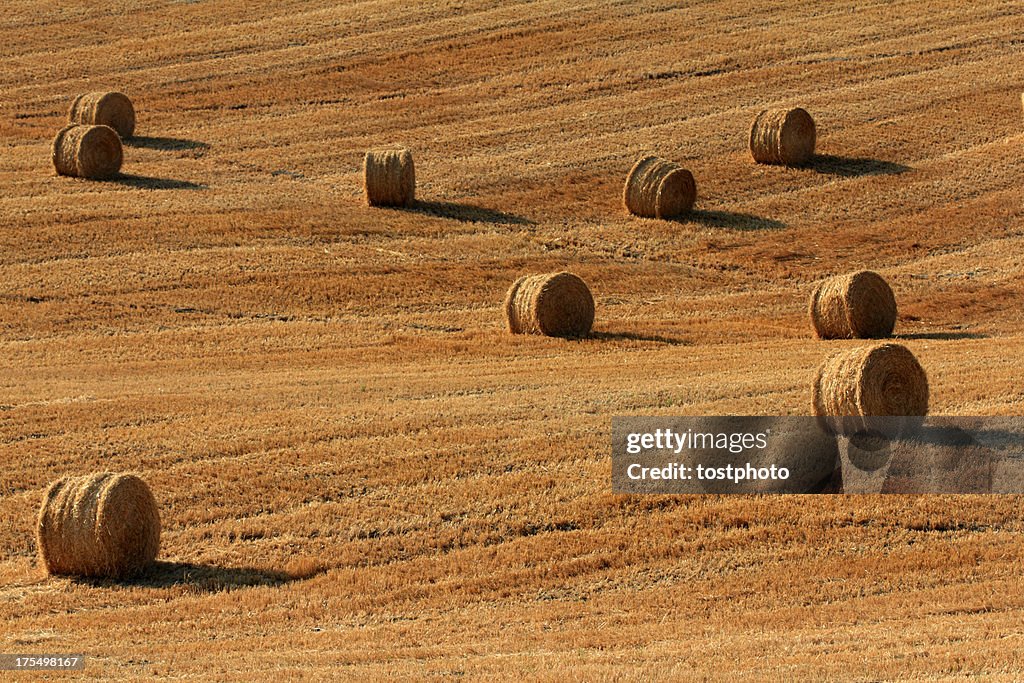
point(553, 304)
point(112, 109)
point(389, 178)
point(881, 381)
point(782, 136)
point(856, 305)
point(87, 151)
point(656, 188)
point(99, 525)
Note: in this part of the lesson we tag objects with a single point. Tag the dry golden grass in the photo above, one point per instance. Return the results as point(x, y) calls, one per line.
point(360, 472)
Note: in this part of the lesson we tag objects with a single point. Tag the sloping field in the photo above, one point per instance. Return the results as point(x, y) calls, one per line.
point(360, 473)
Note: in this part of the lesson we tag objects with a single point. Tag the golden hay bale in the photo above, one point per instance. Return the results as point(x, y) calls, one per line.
point(656, 188)
point(389, 178)
point(857, 305)
point(882, 381)
point(555, 304)
point(87, 151)
point(112, 109)
point(782, 136)
point(99, 525)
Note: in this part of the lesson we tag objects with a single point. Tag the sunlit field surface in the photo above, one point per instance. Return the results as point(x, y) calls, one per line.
point(360, 473)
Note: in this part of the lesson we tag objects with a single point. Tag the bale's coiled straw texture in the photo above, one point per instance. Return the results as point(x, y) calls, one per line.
point(554, 304)
point(98, 525)
point(656, 188)
point(389, 178)
point(112, 109)
point(87, 151)
point(857, 305)
point(782, 136)
point(883, 381)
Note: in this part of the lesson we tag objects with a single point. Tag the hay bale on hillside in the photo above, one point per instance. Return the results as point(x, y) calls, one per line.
point(112, 109)
point(782, 136)
point(857, 305)
point(553, 304)
point(98, 525)
point(656, 188)
point(883, 381)
point(87, 151)
point(389, 178)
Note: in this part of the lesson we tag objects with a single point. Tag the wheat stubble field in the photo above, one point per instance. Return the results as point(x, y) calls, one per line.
point(360, 473)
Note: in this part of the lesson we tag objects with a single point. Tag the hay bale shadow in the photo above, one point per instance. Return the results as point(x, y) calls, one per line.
point(468, 213)
point(852, 167)
point(167, 144)
point(732, 220)
point(941, 335)
point(635, 336)
point(200, 578)
point(149, 183)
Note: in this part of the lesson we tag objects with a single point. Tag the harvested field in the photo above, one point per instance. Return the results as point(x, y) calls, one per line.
point(360, 472)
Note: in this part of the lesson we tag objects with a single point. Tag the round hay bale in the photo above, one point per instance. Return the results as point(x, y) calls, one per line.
point(782, 136)
point(87, 151)
point(98, 525)
point(554, 304)
point(112, 109)
point(858, 305)
point(656, 188)
point(389, 178)
point(883, 381)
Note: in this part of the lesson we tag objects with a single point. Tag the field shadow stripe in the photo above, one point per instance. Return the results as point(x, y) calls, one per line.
point(203, 578)
point(853, 167)
point(150, 183)
point(162, 143)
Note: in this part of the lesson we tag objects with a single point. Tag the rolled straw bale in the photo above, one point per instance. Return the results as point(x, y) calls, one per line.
point(882, 381)
point(389, 178)
point(857, 305)
point(112, 109)
point(656, 188)
point(98, 525)
point(87, 151)
point(554, 304)
point(782, 136)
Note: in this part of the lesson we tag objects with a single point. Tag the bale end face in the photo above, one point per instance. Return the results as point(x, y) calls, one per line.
point(552, 304)
point(858, 305)
point(112, 109)
point(782, 136)
point(389, 178)
point(102, 525)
